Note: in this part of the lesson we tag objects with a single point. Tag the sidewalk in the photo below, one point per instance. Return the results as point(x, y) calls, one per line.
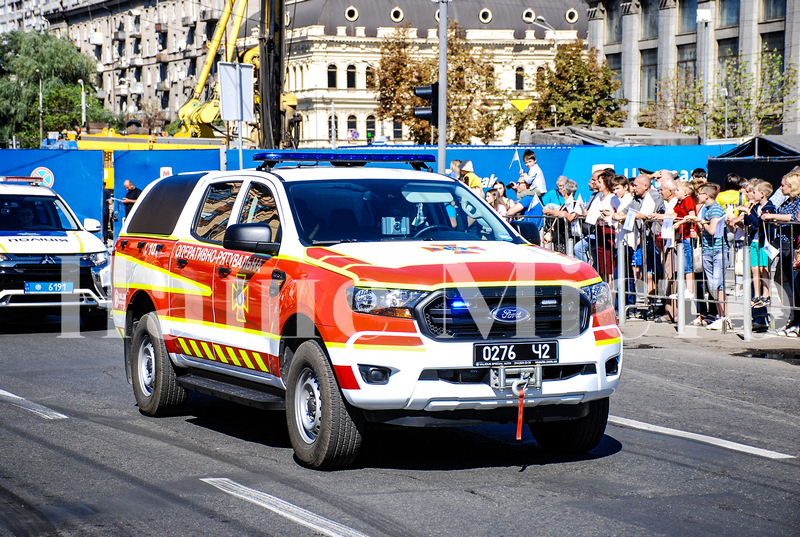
point(638, 334)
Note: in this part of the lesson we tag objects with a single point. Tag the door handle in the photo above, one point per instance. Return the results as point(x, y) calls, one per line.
point(181, 262)
point(223, 272)
point(278, 279)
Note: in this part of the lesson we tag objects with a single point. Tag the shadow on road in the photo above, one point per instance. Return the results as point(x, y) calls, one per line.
point(39, 323)
point(483, 446)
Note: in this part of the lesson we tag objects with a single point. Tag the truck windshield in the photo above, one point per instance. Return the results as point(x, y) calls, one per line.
point(19, 213)
point(369, 210)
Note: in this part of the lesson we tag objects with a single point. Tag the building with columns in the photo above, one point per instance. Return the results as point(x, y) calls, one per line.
point(150, 52)
point(648, 40)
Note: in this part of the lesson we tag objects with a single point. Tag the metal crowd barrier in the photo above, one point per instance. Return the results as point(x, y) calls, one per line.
point(648, 276)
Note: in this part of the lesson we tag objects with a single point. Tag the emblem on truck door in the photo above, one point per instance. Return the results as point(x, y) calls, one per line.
point(241, 296)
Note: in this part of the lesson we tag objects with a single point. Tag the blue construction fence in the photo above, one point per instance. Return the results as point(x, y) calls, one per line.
point(77, 175)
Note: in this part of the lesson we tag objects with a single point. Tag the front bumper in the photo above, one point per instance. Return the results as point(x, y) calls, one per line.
point(440, 377)
point(91, 284)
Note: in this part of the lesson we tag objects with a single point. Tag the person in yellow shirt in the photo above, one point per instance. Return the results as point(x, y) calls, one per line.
point(470, 178)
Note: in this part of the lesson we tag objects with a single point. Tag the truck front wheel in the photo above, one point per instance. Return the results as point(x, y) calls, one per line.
point(324, 430)
point(155, 384)
point(573, 436)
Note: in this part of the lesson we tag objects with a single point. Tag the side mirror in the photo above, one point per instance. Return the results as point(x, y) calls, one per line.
point(91, 225)
point(528, 230)
point(255, 238)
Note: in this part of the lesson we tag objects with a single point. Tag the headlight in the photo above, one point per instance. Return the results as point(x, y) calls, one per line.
point(4, 257)
point(390, 302)
point(599, 295)
point(100, 258)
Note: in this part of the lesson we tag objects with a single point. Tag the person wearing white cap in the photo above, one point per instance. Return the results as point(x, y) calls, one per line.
point(470, 178)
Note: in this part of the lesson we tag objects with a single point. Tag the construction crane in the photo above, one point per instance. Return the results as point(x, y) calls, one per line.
point(275, 111)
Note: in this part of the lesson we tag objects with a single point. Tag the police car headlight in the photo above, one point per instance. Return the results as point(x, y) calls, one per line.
point(97, 259)
point(599, 295)
point(389, 302)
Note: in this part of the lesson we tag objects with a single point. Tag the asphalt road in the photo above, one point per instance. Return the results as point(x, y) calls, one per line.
point(77, 458)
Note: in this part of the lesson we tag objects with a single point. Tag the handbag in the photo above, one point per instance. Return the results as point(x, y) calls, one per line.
point(697, 258)
point(738, 264)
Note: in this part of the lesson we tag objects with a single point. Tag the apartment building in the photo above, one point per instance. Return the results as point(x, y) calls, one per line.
point(149, 52)
point(648, 40)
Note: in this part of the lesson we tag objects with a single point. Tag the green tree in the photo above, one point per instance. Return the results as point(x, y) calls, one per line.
point(60, 65)
point(756, 103)
point(581, 88)
point(678, 106)
point(472, 97)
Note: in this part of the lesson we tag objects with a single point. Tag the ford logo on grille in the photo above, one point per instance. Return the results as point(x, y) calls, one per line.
point(510, 314)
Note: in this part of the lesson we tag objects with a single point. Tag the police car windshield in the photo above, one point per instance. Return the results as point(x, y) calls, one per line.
point(19, 213)
point(371, 210)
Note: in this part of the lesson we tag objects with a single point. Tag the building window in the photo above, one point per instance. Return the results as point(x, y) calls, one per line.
point(370, 128)
point(615, 65)
point(687, 62)
point(370, 78)
point(773, 9)
point(520, 79)
point(351, 77)
point(729, 12)
point(727, 52)
point(332, 76)
point(397, 129)
point(649, 19)
point(613, 22)
point(352, 124)
point(687, 16)
point(649, 75)
point(330, 128)
point(773, 42)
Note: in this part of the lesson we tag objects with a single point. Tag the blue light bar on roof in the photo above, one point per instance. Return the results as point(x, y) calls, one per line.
point(343, 157)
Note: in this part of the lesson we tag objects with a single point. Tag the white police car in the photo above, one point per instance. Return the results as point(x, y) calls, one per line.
point(47, 257)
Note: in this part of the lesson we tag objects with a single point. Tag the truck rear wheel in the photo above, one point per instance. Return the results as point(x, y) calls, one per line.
point(573, 436)
point(324, 430)
point(155, 384)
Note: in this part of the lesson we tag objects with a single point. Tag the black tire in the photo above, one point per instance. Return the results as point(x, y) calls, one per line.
point(94, 318)
point(324, 430)
point(155, 384)
point(573, 436)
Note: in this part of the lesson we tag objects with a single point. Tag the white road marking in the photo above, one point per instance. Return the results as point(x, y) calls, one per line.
point(624, 422)
point(283, 508)
point(36, 408)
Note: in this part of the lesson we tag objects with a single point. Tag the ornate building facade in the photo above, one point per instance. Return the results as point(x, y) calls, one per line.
point(150, 52)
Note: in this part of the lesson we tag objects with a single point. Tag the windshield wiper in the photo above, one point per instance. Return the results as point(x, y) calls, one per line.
point(331, 242)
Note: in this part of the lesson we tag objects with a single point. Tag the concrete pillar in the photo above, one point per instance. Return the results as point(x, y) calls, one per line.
point(667, 29)
point(792, 57)
point(749, 38)
point(597, 28)
point(631, 61)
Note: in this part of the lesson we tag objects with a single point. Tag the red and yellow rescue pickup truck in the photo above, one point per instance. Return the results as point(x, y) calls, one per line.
point(356, 295)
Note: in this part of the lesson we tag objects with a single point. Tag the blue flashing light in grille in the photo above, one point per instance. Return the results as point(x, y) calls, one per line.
point(343, 157)
point(459, 304)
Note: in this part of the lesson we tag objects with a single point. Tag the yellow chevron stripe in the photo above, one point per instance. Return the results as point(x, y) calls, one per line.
point(221, 354)
point(207, 350)
point(233, 357)
point(246, 358)
point(184, 345)
point(261, 363)
point(196, 350)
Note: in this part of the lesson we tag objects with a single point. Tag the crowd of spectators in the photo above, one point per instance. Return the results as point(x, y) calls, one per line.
point(630, 227)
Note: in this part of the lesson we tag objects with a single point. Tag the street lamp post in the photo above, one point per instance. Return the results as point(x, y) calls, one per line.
point(442, 104)
point(724, 93)
point(83, 103)
point(41, 110)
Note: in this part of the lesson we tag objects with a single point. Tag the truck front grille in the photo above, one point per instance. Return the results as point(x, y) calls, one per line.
point(471, 314)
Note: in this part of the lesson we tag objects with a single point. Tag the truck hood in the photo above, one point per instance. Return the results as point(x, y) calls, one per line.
point(430, 265)
point(49, 242)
